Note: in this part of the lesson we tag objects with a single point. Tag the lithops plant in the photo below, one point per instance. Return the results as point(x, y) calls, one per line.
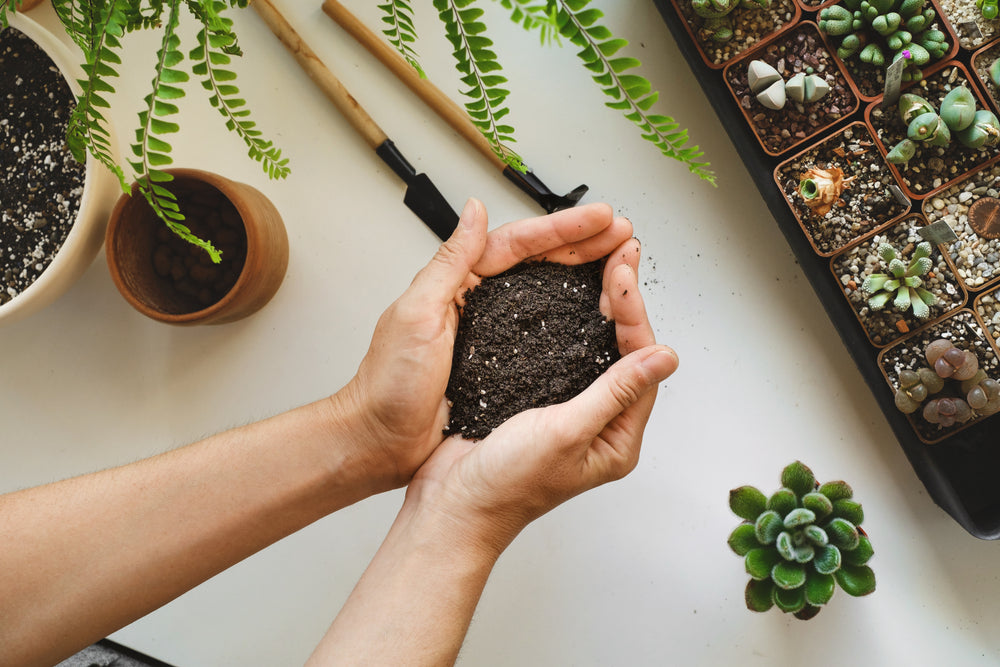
point(974, 128)
point(902, 282)
point(880, 32)
point(800, 543)
point(976, 394)
point(716, 20)
point(772, 91)
point(988, 9)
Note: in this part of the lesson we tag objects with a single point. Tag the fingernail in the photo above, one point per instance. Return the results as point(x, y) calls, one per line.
point(661, 363)
point(469, 212)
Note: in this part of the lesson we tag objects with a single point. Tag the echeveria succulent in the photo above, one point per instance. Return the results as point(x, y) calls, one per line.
point(800, 543)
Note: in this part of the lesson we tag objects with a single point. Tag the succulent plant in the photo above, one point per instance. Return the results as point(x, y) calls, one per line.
point(821, 188)
point(977, 394)
point(974, 128)
point(716, 23)
point(902, 283)
point(772, 91)
point(880, 32)
point(800, 543)
point(988, 9)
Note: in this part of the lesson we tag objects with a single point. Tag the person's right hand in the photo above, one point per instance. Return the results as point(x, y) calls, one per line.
point(541, 458)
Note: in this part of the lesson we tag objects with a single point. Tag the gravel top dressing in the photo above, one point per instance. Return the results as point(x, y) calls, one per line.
point(529, 337)
point(42, 183)
point(750, 25)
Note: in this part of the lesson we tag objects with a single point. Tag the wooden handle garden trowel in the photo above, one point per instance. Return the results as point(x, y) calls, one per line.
point(421, 196)
point(448, 110)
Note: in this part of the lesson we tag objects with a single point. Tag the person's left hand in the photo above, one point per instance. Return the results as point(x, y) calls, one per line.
point(398, 391)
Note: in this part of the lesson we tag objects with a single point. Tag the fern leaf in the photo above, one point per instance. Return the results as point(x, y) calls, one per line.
point(476, 61)
point(209, 58)
point(398, 15)
point(630, 93)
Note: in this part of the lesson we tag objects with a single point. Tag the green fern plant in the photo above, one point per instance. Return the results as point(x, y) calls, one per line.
point(600, 51)
point(97, 27)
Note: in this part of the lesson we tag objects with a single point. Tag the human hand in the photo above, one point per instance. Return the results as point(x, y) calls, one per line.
point(397, 394)
point(541, 458)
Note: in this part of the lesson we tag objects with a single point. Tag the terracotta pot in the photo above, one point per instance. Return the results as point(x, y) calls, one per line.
point(888, 325)
point(826, 238)
point(965, 331)
point(99, 191)
point(979, 64)
point(692, 22)
point(888, 131)
point(135, 236)
point(856, 68)
point(986, 308)
point(761, 118)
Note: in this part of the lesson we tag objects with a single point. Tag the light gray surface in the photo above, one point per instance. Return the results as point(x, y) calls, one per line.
point(636, 573)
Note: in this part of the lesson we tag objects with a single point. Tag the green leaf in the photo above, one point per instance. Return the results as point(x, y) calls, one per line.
point(743, 539)
point(760, 562)
point(758, 595)
point(842, 533)
point(782, 501)
point(827, 559)
point(818, 503)
point(789, 600)
point(799, 517)
point(768, 526)
point(799, 478)
point(856, 580)
point(819, 588)
point(788, 575)
point(747, 502)
point(849, 510)
point(861, 554)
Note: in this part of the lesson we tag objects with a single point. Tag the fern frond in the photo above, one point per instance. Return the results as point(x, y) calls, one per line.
point(477, 62)
point(87, 127)
point(534, 15)
point(150, 150)
point(215, 42)
point(5, 7)
point(631, 94)
point(398, 15)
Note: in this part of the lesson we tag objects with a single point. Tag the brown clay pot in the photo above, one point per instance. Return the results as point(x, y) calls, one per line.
point(888, 130)
point(692, 22)
point(135, 236)
point(963, 328)
point(767, 124)
point(888, 325)
point(826, 237)
point(980, 63)
point(986, 307)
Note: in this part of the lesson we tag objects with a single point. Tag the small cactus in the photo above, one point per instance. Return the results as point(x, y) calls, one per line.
point(801, 543)
point(902, 284)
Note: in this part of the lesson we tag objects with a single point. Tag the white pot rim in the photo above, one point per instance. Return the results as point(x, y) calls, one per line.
point(99, 191)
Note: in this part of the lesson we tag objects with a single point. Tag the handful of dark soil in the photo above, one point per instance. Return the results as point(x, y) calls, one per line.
point(529, 337)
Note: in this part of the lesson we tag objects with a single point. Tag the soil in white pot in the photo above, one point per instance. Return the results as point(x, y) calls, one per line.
point(41, 182)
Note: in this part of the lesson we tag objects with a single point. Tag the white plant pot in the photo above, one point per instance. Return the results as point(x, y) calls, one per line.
point(100, 190)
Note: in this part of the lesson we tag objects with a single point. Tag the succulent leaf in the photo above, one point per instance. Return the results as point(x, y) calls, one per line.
point(783, 501)
point(849, 510)
point(799, 478)
point(827, 560)
point(789, 600)
point(836, 490)
point(785, 545)
point(768, 526)
point(760, 562)
point(860, 555)
point(799, 517)
point(759, 594)
point(816, 536)
point(856, 580)
point(747, 502)
point(788, 575)
point(842, 533)
point(818, 503)
point(958, 108)
point(744, 539)
point(819, 588)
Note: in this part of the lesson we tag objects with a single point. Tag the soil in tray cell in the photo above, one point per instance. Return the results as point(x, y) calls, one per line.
point(976, 258)
point(864, 204)
point(931, 166)
point(961, 14)
point(798, 51)
point(982, 62)
point(887, 324)
point(750, 26)
point(988, 309)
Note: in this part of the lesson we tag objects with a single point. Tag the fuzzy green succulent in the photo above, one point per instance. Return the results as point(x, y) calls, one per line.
point(800, 543)
point(716, 20)
point(902, 282)
point(880, 32)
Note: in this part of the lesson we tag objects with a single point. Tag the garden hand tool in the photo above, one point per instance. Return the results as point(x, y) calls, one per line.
point(422, 197)
point(449, 111)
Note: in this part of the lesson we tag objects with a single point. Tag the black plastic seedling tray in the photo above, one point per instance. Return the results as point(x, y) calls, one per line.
point(957, 472)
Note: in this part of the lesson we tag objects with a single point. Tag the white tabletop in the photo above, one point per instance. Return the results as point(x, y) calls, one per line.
point(635, 573)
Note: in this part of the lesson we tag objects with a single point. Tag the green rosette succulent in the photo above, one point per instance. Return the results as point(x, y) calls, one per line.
point(801, 543)
point(902, 283)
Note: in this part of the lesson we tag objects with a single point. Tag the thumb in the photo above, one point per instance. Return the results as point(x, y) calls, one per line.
point(622, 386)
point(448, 270)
